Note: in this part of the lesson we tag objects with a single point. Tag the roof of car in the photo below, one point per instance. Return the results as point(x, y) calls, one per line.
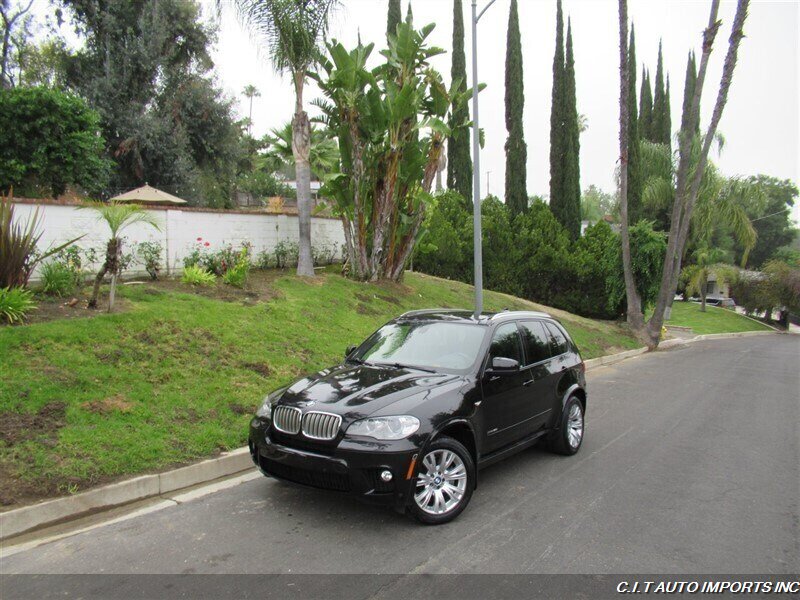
point(456, 315)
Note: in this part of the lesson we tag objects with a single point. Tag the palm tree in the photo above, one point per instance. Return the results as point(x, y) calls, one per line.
point(323, 155)
point(707, 263)
point(118, 217)
point(250, 92)
point(293, 31)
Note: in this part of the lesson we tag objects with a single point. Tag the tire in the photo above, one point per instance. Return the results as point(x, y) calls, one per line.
point(442, 499)
point(568, 438)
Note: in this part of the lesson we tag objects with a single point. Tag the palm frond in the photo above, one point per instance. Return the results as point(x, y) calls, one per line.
point(119, 216)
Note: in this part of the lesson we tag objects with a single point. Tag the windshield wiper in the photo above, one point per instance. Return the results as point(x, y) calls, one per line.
point(402, 366)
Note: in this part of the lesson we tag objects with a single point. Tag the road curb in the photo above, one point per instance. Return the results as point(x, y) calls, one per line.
point(27, 518)
point(36, 516)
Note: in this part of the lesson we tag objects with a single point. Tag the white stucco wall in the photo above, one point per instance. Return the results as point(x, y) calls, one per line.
point(179, 230)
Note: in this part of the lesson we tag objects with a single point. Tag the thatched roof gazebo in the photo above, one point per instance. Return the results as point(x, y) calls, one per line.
point(148, 195)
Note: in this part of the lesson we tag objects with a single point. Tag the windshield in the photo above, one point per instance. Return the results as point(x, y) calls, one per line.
point(424, 344)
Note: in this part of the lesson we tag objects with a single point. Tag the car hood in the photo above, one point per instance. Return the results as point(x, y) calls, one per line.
point(357, 391)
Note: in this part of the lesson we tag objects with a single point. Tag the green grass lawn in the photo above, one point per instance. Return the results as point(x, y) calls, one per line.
point(714, 320)
point(174, 377)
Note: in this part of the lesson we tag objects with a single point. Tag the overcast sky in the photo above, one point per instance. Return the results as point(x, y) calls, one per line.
point(760, 123)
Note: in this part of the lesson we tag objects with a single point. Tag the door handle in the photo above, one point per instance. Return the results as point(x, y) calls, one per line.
point(529, 382)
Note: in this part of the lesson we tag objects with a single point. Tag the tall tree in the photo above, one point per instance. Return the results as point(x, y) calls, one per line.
point(9, 20)
point(688, 89)
point(634, 303)
point(692, 161)
point(459, 159)
point(394, 17)
point(516, 149)
point(634, 146)
point(645, 106)
point(250, 92)
point(293, 32)
point(660, 108)
point(667, 124)
point(571, 214)
point(557, 122)
point(409, 14)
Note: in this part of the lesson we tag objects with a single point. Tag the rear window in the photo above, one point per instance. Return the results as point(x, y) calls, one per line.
point(558, 342)
point(536, 341)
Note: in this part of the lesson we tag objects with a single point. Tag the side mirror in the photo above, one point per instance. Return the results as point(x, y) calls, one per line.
point(504, 365)
point(349, 350)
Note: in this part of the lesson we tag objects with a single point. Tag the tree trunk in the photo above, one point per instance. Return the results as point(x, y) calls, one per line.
point(301, 149)
point(110, 265)
point(634, 303)
point(686, 195)
point(96, 290)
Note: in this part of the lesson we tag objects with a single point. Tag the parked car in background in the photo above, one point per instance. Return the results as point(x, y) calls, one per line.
point(721, 302)
point(415, 411)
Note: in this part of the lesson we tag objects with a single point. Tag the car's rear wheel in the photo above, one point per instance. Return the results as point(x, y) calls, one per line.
point(568, 438)
point(444, 482)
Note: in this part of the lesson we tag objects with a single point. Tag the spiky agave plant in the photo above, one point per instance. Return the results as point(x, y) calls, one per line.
point(118, 217)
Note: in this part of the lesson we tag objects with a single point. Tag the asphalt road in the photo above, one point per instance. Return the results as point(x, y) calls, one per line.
point(691, 464)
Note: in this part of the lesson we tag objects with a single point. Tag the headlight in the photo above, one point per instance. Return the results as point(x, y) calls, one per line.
point(385, 428)
point(265, 412)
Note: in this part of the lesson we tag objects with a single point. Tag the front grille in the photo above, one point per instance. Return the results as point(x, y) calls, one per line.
point(317, 479)
point(321, 426)
point(286, 419)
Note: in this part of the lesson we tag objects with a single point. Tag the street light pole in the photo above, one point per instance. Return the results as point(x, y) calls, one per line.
point(476, 167)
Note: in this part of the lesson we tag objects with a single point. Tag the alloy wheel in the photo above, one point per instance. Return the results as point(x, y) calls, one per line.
point(575, 425)
point(441, 482)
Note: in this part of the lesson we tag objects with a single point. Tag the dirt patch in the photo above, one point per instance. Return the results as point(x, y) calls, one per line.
point(261, 368)
point(240, 409)
point(116, 403)
point(364, 297)
point(259, 288)
point(363, 309)
point(390, 299)
point(19, 427)
point(50, 308)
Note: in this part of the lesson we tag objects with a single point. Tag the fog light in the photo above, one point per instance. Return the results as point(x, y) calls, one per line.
point(386, 476)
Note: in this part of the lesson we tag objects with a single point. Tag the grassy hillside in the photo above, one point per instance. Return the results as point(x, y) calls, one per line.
point(714, 320)
point(87, 397)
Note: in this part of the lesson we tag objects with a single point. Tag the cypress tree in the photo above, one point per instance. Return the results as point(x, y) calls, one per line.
point(659, 104)
point(394, 17)
point(645, 107)
point(557, 141)
point(667, 133)
point(571, 214)
point(409, 14)
point(516, 150)
point(459, 159)
point(634, 156)
point(688, 89)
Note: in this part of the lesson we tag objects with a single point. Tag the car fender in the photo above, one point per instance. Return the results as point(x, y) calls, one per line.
point(442, 426)
point(570, 390)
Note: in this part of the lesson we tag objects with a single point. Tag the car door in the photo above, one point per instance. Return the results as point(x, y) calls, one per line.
point(539, 385)
point(503, 406)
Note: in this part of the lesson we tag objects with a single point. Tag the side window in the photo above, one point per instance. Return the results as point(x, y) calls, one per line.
point(558, 343)
point(505, 343)
point(536, 342)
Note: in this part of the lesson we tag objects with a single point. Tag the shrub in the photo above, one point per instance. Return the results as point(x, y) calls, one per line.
point(18, 254)
point(213, 261)
point(237, 275)
point(15, 303)
point(445, 248)
point(150, 254)
point(197, 275)
point(286, 254)
point(50, 139)
point(58, 279)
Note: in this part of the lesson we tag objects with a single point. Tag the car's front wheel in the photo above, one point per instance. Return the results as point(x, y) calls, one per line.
point(444, 483)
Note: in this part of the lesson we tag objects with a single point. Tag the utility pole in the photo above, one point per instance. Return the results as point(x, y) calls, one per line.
point(488, 184)
point(476, 169)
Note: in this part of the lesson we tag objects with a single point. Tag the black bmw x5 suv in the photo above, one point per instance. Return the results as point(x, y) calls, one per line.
point(431, 397)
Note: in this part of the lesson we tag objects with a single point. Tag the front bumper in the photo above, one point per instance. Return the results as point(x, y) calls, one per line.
point(347, 467)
